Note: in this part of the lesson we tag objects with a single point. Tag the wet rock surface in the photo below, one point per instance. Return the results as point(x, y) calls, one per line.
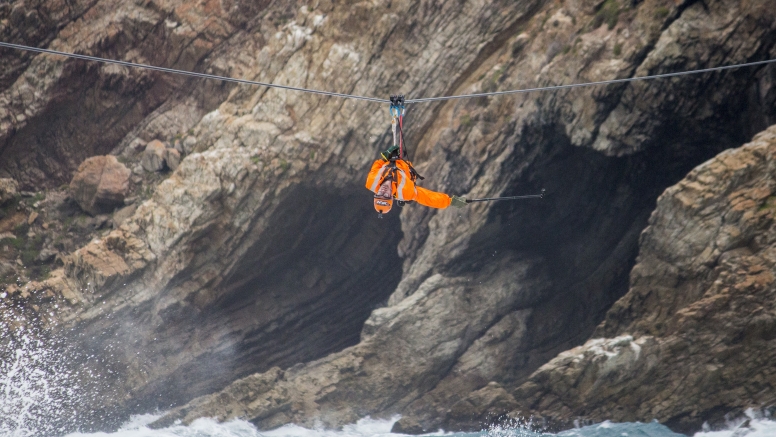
point(260, 256)
point(690, 340)
point(432, 334)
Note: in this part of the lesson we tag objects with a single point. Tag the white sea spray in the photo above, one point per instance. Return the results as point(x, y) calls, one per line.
point(752, 424)
point(48, 385)
point(40, 390)
point(37, 384)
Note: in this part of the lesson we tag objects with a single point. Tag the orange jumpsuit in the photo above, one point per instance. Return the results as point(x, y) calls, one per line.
point(404, 187)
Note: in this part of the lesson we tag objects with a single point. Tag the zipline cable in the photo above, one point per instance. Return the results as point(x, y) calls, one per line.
point(488, 199)
point(189, 73)
point(374, 99)
point(579, 85)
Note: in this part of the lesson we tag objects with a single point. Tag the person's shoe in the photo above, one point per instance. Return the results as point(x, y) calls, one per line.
point(383, 199)
point(384, 191)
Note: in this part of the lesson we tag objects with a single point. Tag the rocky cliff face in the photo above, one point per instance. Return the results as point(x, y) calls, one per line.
point(261, 251)
point(691, 339)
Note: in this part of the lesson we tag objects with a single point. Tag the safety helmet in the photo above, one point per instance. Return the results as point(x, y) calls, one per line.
point(384, 197)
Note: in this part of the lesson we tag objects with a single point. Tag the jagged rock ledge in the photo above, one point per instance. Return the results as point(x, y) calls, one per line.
point(695, 337)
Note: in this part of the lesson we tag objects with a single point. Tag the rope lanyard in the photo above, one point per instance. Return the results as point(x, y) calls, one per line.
point(397, 117)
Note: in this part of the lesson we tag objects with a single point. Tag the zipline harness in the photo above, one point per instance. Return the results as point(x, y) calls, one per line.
point(398, 170)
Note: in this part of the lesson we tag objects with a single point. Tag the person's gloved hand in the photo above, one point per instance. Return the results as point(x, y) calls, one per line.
point(458, 202)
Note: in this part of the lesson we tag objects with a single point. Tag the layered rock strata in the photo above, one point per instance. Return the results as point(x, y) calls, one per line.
point(693, 339)
point(261, 250)
point(56, 112)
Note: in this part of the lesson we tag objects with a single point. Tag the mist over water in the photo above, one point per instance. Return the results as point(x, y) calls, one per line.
point(40, 392)
point(365, 428)
point(381, 428)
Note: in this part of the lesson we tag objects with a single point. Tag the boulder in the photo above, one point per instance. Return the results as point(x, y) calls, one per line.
point(47, 254)
point(490, 404)
point(153, 156)
point(8, 189)
point(100, 184)
point(172, 158)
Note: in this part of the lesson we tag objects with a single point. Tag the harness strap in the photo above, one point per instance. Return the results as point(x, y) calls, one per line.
point(390, 174)
point(397, 111)
point(414, 172)
point(392, 171)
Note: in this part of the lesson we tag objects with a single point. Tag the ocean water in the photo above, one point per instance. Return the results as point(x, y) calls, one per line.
point(37, 384)
point(382, 428)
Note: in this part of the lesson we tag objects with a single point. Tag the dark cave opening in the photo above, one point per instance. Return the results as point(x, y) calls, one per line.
point(328, 254)
point(303, 290)
point(586, 230)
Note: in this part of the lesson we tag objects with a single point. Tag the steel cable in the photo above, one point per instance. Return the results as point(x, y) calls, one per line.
point(189, 73)
point(579, 85)
point(375, 99)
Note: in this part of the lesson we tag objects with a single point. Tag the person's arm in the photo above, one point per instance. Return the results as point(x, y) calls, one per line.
point(438, 200)
point(432, 198)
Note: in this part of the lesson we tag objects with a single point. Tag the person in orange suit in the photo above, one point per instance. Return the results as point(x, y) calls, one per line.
point(394, 178)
